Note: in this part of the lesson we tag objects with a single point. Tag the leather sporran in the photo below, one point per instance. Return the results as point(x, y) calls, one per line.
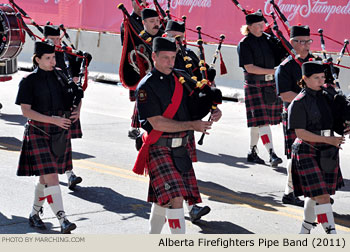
point(269, 95)
point(328, 159)
point(181, 158)
point(58, 143)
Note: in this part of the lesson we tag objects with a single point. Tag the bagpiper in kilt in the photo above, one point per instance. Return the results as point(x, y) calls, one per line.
point(287, 76)
point(46, 149)
point(168, 148)
point(315, 152)
point(263, 107)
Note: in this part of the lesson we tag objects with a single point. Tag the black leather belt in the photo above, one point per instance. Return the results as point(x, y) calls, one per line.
point(172, 142)
point(259, 77)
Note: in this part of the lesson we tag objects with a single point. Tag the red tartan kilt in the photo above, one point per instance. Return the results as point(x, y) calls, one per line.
point(308, 178)
point(75, 130)
point(166, 182)
point(289, 136)
point(36, 157)
point(259, 113)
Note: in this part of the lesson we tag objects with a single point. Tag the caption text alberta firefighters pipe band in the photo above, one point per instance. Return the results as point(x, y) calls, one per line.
point(259, 242)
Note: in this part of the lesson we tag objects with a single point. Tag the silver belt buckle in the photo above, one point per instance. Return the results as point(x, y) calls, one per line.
point(269, 77)
point(176, 142)
point(326, 133)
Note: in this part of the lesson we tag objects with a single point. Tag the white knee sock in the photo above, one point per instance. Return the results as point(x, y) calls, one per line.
point(69, 173)
point(325, 217)
point(157, 219)
point(189, 207)
point(54, 198)
point(289, 185)
point(309, 216)
point(39, 198)
point(266, 137)
point(254, 136)
point(176, 220)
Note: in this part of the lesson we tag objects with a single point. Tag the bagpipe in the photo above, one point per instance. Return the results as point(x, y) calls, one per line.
point(136, 53)
point(75, 60)
point(340, 102)
point(204, 97)
point(135, 61)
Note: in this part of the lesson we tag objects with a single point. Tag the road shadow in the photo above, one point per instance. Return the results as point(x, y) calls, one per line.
point(237, 162)
point(79, 156)
point(346, 188)
point(220, 227)
point(232, 161)
point(10, 144)
point(342, 219)
point(19, 225)
point(14, 144)
point(13, 119)
point(222, 194)
point(114, 202)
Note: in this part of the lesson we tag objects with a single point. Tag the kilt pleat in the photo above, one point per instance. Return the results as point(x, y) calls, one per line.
point(166, 182)
point(75, 130)
point(308, 178)
point(258, 113)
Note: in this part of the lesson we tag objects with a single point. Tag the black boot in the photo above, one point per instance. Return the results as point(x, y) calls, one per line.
point(73, 181)
point(138, 142)
point(274, 159)
point(253, 156)
point(291, 199)
point(36, 222)
point(197, 212)
point(67, 226)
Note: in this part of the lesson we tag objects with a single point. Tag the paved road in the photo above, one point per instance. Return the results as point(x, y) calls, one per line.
point(244, 198)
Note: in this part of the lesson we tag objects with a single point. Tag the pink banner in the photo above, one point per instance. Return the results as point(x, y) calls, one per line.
point(215, 16)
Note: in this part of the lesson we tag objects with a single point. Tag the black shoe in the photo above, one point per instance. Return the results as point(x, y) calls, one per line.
point(274, 159)
point(253, 157)
point(36, 222)
point(138, 142)
point(197, 212)
point(73, 181)
point(67, 226)
point(292, 200)
point(134, 133)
